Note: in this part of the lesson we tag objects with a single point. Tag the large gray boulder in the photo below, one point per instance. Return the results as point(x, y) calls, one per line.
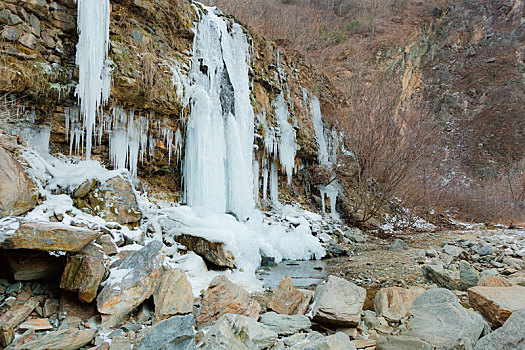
point(438, 275)
point(338, 341)
point(16, 196)
point(285, 324)
point(468, 277)
point(338, 302)
point(509, 337)
point(440, 320)
point(131, 281)
point(174, 333)
point(401, 342)
point(237, 332)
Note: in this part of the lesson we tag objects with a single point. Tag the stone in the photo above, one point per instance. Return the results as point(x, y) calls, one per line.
point(120, 343)
point(9, 34)
point(401, 342)
point(110, 248)
point(66, 339)
point(84, 188)
point(83, 274)
point(494, 281)
point(363, 343)
point(38, 324)
point(16, 196)
point(370, 319)
point(224, 297)
point(15, 287)
point(214, 252)
point(51, 307)
point(28, 40)
point(14, 20)
point(468, 277)
point(28, 265)
point(35, 24)
point(173, 333)
point(237, 332)
point(173, 296)
point(452, 250)
point(49, 42)
point(39, 7)
point(398, 244)
point(394, 303)
point(288, 300)
point(338, 302)
point(440, 320)
point(16, 314)
point(483, 248)
point(338, 341)
point(49, 237)
point(511, 336)
point(131, 281)
point(285, 324)
point(518, 278)
point(438, 275)
point(496, 304)
point(355, 235)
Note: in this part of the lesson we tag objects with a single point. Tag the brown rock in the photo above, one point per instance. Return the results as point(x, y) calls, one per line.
point(13, 317)
point(38, 324)
point(66, 339)
point(212, 251)
point(363, 343)
point(51, 307)
point(27, 265)
point(173, 296)
point(288, 300)
point(83, 274)
point(16, 197)
point(394, 303)
point(223, 297)
point(494, 281)
point(107, 244)
point(49, 237)
point(71, 308)
point(496, 304)
point(28, 40)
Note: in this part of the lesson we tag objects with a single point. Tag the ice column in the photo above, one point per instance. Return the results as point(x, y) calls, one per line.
point(94, 78)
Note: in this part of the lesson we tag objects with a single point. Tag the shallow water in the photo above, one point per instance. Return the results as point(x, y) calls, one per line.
point(305, 274)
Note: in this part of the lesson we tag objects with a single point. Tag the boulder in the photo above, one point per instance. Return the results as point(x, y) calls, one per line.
point(285, 324)
point(452, 250)
point(518, 278)
point(438, 275)
point(338, 302)
point(338, 341)
point(496, 304)
point(224, 297)
point(38, 324)
point(440, 320)
point(131, 281)
point(65, 339)
point(15, 315)
point(16, 196)
point(401, 342)
point(468, 277)
point(288, 300)
point(394, 303)
point(174, 333)
point(494, 281)
point(83, 274)
point(214, 252)
point(511, 336)
point(173, 295)
point(49, 237)
point(237, 332)
point(106, 242)
point(27, 265)
point(355, 235)
point(398, 244)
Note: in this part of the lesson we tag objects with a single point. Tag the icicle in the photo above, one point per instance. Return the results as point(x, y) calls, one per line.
point(274, 184)
point(265, 181)
point(92, 59)
point(256, 180)
point(287, 142)
point(323, 152)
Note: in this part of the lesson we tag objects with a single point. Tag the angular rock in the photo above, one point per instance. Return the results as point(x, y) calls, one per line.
point(214, 252)
point(173, 295)
point(440, 320)
point(51, 307)
point(518, 278)
point(285, 324)
point(511, 336)
point(174, 333)
point(468, 277)
point(49, 237)
point(120, 343)
point(438, 275)
point(66, 339)
point(496, 304)
point(110, 248)
point(224, 297)
point(28, 40)
point(363, 343)
point(494, 281)
point(27, 265)
point(355, 235)
point(401, 342)
point(16, 197)
point(398, 244)
point(237, 332)
point(338, 302)
point(36, 324)
point(288, 300)
point(452, 250)
point(131, 281)
point(338, 341)
point(83, 274)
point(16, 314)
point(394, 303)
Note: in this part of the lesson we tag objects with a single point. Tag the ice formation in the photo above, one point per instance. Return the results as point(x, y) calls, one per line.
point(287, 143)
point(323, 154)
point(331, 191)
point(94, 73)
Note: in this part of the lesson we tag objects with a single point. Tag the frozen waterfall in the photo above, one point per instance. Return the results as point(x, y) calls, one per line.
point(94, 80)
